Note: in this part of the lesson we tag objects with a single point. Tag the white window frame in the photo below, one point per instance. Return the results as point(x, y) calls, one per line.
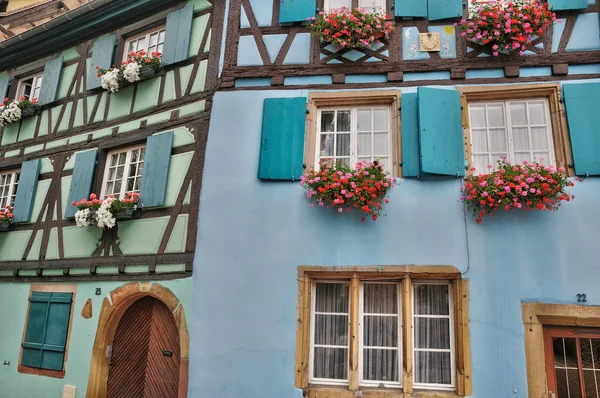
point(354, 134)
point(311, 366)
point(35, 85)
point(124, 190)
point(510, 155)
point(146, 36)
point(428, 386)
point(378, 383)
point(12, 186)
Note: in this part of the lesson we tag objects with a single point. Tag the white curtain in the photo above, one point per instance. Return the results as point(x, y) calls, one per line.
point(330, 354)
point(381, 324)
point(432, 351)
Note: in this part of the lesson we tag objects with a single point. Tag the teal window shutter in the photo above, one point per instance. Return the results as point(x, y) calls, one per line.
point(102, 56)
point(28, 180)
point(157, 159)
point(3, 87)
point(444, 9)
point(177, 35)
point(410, 135)
point(296, 10)
point(81, 180)
point(47, 329)
point(410, 8)
point(282, 141)
point(440, 132)
point(582, 102)
point(558, 5)
point(50, 81)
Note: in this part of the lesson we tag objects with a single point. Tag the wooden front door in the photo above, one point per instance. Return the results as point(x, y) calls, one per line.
point(145, 353)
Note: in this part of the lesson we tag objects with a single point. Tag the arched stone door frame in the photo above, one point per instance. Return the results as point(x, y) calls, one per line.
point(110, 315)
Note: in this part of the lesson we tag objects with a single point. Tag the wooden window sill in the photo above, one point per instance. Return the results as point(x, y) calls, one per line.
point(343, 392)
point(56, 374)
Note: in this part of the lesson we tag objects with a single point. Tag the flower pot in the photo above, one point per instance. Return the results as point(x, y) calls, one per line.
point(127, 213)
point(147, 72)
point(4, 226)
point(28, 112)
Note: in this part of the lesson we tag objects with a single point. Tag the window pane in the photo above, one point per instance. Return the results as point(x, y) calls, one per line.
point(521, 138)
point(331, 330)
point(327, 121)
point(432, 333)
point(495, 115)
point(521, 156)
point(134, 156)
point(111, 173)
point(326, 145)
point(364, 119)
point(120, 171)
point(561, 384)
point(122, 158)
point(335, 4)
point(542, 157)
point(380, 143)
point(497, 140)
point(537, 113)
point(477, 116)
point(574, 383)
point(331, 363)
point(479, 140)
point(380, 120)
point(343, 121)
point(380, 298)
point(332, 297)
point(432, 367)
point(117, 188)
point(129, 186)
point(343, 145)
point(431, 299)
point(113, 160)
point(570, 345)
point(380, 365)
point(539, 138)
point(380, 331)
point(153, 39)
point(371, 4)
point(589, 380)
point(364, 144)
point(518, 114)
point(161, 36)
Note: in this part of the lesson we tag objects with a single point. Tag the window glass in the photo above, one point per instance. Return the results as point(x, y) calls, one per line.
point(519, 130)
point(370, 5)
point(123, 172)
point(150, 42)
point(29, 88)
point(9, 181)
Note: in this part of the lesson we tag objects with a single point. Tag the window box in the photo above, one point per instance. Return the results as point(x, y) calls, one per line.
point(140, 66)
point(127, 214)
point(4, 226)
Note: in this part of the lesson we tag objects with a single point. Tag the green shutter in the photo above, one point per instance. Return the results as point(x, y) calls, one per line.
point(410, 8)
point(50, 81)
point(282, 142)
point(444, 9)
point(157, 159)
point(47, 329)
point(296, 10)
point(558, 5)
point(3, 86)
point(440, 132)
point(410, 135)
point(28, 180)
point(102, 56)
point(81, 180)
point(177, 35)
point(582, 102)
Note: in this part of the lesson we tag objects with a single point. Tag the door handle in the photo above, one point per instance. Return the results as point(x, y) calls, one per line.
point(167, 353)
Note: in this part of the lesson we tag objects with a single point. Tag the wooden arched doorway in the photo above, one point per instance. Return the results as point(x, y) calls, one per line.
point(145, 353)
point(115, 315)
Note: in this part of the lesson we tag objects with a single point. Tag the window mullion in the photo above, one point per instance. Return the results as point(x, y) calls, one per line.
point(580, 366)
point(510, 155)
point(125, 174)
point(354, 138)
point(407, 337)
point(354, 333)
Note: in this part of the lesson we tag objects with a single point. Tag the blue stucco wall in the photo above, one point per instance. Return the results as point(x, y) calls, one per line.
point(253, 235)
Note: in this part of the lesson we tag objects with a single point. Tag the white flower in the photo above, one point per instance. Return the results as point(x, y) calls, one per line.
point(131, 72)
point(110, 80)
point(10, 113)
point(104, 218)
point(83, 218)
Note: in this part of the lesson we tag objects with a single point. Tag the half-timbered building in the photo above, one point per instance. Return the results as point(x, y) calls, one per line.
point(91, 312)
point(294, 301)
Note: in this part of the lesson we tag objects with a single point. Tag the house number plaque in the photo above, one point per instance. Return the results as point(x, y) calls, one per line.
point(429, 41)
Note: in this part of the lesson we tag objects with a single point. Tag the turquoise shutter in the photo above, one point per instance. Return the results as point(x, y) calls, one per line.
point(102, 56)
point(47, 329)
point(444, 9)
point(296, 10)
point(282, 142)
point(410, 135)
point(582, 102)
point(81, 180)
point(410, 8)
point(440, 132)
point(28, 180)
point(50, 81)
point(156, 169)
point(177, 35)
point(3, 87)
point(558, 5)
